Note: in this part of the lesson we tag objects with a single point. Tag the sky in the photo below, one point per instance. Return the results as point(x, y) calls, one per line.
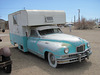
point(89, 9)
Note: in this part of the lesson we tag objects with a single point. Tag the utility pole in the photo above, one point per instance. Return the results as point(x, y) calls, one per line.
point(79, 15)
point(74, 19)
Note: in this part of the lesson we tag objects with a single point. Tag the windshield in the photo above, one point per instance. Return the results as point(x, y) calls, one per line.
point(49, 31)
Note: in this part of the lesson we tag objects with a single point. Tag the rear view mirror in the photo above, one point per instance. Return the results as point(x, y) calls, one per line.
point(3, 30)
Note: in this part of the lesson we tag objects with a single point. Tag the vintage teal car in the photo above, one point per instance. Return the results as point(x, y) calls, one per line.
point(36, 31)
point(51, 43)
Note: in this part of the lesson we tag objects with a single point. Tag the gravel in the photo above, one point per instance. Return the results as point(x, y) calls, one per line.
point(30, 64)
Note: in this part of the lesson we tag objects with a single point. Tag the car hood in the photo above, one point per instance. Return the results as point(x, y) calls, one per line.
point(65, 38)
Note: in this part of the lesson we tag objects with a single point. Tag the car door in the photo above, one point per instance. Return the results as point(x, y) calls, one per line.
point(32, 42)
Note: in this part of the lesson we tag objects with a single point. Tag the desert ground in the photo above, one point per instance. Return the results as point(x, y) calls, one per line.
point(30, 64)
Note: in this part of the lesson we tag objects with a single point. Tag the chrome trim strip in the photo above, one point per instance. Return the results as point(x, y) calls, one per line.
point(35, 53)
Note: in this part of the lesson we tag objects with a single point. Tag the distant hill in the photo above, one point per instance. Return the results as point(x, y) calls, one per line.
point(2, 24)
point(1, 20)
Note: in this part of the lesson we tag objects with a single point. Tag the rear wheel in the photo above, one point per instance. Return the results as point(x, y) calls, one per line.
point(52, 60)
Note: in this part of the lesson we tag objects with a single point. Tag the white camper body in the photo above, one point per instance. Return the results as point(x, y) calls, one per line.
point(21, 22)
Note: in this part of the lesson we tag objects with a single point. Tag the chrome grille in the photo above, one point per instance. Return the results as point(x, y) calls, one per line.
point(76, 55)
point(80, 48)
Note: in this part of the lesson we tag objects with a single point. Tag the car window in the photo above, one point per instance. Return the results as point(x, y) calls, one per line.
point(50, 31)
point(34, 33)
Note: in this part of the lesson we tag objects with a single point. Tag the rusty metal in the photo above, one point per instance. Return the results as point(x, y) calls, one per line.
point(3, 64)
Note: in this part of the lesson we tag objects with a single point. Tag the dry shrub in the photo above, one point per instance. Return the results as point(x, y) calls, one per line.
point(84, 24)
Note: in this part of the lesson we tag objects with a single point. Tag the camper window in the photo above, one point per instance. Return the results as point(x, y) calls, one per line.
point(49, 19)
point(15, 19)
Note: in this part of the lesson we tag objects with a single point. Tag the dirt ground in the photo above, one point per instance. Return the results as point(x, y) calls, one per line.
point(29, 64)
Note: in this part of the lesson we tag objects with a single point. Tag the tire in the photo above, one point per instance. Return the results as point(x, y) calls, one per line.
point(52, 60)
point(7, 68)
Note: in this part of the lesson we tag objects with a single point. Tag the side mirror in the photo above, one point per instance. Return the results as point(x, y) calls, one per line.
point(3, 30)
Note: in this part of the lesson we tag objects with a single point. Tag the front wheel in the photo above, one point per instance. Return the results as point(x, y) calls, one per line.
point(52, 60)
point(7, 68)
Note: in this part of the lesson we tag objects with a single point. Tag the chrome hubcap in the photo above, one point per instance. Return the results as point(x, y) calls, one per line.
point(52, 58)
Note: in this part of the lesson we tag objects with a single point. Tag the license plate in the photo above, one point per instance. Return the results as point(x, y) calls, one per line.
point(0, 58)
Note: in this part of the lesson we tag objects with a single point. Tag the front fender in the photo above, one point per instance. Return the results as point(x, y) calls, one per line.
point(5, 52)
point(57, 53)
point(56, 48)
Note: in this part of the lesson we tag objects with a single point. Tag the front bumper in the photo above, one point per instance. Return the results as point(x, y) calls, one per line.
point(6, 63)
point(75, 57)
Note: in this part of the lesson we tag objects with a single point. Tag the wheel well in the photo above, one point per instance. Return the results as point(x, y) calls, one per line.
point(46, 55)
point(5, 58)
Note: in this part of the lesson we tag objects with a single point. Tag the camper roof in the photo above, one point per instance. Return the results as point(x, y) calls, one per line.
point(38, 17)
point(38, 11)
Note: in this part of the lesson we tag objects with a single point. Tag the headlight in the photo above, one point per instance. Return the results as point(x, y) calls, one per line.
point(66, 50)
point(88, 45)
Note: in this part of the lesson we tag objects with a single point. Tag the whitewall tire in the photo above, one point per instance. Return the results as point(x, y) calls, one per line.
point(52, 60)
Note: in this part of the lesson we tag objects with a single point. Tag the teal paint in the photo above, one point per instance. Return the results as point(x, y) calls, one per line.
point(20, 40)
point(31, 44)
point(53, 52)
point(72, 47)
